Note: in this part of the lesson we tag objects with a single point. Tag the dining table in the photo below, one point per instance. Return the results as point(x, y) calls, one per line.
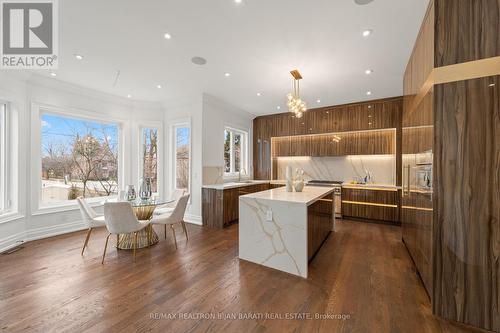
point(143, 210)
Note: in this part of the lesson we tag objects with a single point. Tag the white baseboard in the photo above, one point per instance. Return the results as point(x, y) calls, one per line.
point(194, 219)
point(45, 232)
point(11, 241)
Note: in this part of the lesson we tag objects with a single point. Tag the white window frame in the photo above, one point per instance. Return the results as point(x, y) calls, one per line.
point(244, 151)
point(37, 110)
point(5, 199)
point(173, 153)
point(159, 158)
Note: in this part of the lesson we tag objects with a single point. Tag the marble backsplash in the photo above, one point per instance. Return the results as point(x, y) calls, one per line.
point(213, 175)
point(345, 168)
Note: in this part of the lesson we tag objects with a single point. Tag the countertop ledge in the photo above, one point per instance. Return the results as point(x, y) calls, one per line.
point(308, 196)
point(230, 185)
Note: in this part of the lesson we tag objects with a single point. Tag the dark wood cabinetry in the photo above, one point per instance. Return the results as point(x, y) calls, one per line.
point(319, 223)
point(377, 142)
point(451, 111)
point(370, 204)
point(220, 208)
point(371, 115)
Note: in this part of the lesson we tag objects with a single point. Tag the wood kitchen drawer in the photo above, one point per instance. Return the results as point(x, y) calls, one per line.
point(370, 211)
point(371, 196)
point(371, 204)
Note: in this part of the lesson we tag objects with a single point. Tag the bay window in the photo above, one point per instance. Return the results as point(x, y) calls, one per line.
point(79, 158)
point(4, 159)
point(182, 156)
point(149, 156)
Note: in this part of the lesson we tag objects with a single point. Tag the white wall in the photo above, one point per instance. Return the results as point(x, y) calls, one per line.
point(216, 115)
point(206, 114)
point(24, 92)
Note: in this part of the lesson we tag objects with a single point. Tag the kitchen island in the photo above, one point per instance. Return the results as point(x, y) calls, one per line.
point(284, 230)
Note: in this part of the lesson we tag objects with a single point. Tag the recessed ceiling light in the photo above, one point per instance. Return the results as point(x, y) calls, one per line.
point(129, 96)
point(368, 71)
point(167, 35)
point(238, 1)
point(53, 74)
point(368, 93)
point(78, 57)
point(158, 86)
point(259, 94)
point(367, 33)
point(227, 74)
point(198, 61)
point(278, 107)
point(318, 101)
point(362, 2)
point(491, 85)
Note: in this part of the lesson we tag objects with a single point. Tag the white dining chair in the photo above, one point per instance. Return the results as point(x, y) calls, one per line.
point(169, 207)
point(120, 219)
point(90, 217)
point(175, 217)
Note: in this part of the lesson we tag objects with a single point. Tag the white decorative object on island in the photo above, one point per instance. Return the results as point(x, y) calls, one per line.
point(273, 227)
point(288, 179)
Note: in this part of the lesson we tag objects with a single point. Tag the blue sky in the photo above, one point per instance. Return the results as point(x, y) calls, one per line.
point(182, 136)
point(57, 130)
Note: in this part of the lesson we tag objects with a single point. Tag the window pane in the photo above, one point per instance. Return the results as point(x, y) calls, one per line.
point(182, 138)
point(150, 156)
point(227, 151)
point(237, 152)
point(3, 159)
point(78, 158)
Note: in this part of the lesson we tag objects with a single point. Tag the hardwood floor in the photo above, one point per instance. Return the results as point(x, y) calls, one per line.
point(363, 271)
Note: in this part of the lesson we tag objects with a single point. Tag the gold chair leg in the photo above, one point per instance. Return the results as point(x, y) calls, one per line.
point(165, 231)
point(185, 229)
point(135, 243)
point(105, 247)
point(86, 240)
point(117, 241)
point(173, 233)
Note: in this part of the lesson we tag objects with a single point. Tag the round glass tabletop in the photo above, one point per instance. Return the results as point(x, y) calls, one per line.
point(143, 203)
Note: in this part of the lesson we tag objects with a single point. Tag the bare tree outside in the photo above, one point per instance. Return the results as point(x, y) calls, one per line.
point(79, 158)
point(182, 147)
point(150, 156)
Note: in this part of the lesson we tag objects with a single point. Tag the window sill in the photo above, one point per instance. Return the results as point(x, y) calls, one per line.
point(10, 216)
point(70, 206)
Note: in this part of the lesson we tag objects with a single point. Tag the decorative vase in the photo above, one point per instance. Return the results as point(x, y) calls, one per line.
point(145, 189)
point(299, 186)
point(299, 180)
point(288, 178)
point(131, 195)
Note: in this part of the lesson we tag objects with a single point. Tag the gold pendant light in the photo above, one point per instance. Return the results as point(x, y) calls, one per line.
point(295, 104)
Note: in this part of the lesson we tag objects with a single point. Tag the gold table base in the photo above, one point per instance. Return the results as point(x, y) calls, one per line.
point(145, 237)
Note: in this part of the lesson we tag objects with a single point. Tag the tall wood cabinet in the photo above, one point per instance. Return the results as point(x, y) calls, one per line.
point(450, 202)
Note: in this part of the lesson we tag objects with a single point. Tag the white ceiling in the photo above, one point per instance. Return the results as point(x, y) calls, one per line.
point(257, 41)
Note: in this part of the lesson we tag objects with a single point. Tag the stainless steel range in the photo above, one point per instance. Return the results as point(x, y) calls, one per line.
point(337, 184)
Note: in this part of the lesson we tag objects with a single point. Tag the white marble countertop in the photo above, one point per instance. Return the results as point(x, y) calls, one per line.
point(236, 184)
point(309, 195)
